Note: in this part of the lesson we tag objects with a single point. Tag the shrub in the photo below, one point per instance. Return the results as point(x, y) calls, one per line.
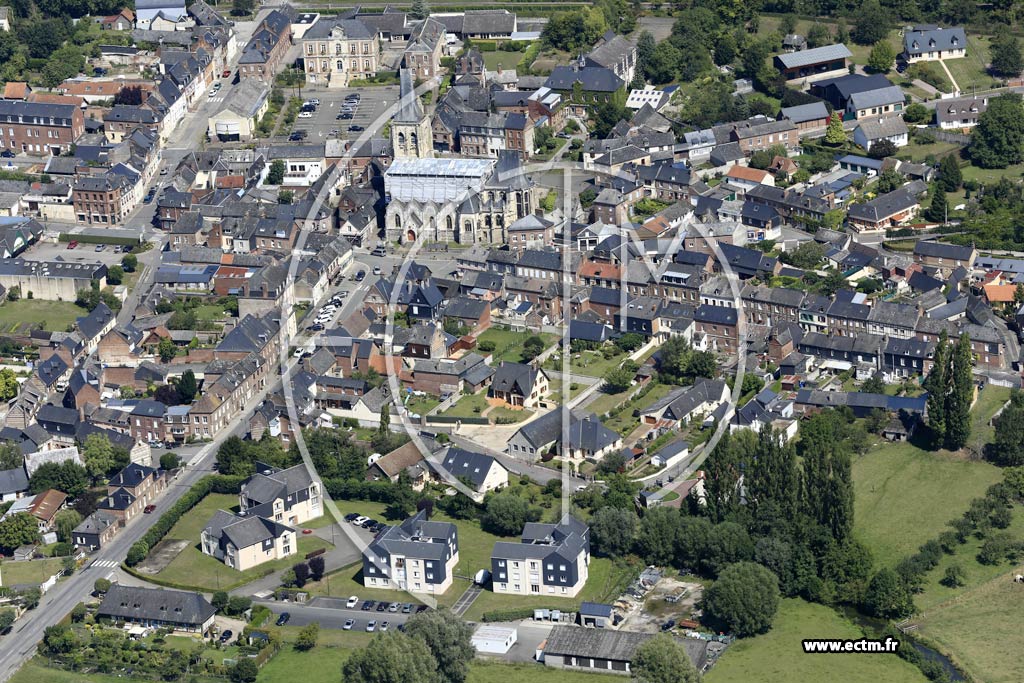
point(512, 614)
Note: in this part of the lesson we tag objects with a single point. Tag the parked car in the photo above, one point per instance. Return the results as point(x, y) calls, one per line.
point(344, 115)
point(305, 114)
point(360, 275)
point(349, 623)
point(283, 619)
point(384, 626)
point(356, 129)
point(7, 154)
point(352, 602)
point(358, 521)
point(668, 625)
point(382, 605)
point(395, 606)
point(227, 72)
point(407, 608)
point(100, 247)
point(316, 328)
point(351, 516)
point(148, 509)
point(379, 250)
point(368, 523)
point(376, 270)
point(421, 608)
point(367, 604)
point(72, 244)
point(226, 636)
point(371, 627)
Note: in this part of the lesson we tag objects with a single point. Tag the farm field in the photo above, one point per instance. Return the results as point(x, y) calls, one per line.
point(777, 656)
point(897, 482)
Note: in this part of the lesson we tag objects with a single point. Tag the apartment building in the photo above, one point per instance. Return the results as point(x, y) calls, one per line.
point(288, 496)
point(38, 128)
point(550, 559)
point(417, 556)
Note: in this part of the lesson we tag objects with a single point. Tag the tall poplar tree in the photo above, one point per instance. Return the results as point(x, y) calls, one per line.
point(937, 385)
point(961, 391)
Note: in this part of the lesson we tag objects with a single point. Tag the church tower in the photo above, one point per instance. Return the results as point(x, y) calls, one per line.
point(411, 135)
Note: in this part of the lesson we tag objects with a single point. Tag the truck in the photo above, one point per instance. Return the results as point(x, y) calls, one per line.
point(482, 577)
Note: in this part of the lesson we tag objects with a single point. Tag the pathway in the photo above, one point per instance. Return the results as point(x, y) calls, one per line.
point(949, 74)
point(466, 600)
point(927, 87)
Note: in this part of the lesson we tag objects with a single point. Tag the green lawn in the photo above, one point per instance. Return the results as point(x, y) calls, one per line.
point(917, 152)
point(508, 343)
point(778, 657)
point(555, 387)
point(471, 405)
point(507, 60)
point(993, 175)
point(587, 363)
point(989, 401)
point(319, 665)
point(981, 629)
point(54, 316)
point(33, 571)
point(422, 405)
point(971, 71)
point(203, 572)
point(895, 483)
point(623, 419)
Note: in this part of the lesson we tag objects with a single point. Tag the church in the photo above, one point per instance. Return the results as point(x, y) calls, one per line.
point(450, 199)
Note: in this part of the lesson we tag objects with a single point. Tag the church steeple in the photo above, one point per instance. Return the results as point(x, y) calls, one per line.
point(411, 135)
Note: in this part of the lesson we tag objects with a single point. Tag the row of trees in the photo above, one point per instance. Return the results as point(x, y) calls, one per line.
point(950, 388)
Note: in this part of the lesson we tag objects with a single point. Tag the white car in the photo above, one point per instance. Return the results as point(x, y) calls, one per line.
point(352, 602)
point(358, 521)
point(305, 114)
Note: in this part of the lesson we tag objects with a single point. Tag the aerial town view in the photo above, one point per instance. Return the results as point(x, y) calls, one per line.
point(423, 341)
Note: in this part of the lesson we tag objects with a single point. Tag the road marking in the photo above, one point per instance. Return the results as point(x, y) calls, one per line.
point(104, 563)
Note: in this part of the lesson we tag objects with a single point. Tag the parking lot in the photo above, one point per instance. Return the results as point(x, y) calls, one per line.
point(83, 253)
point(370, 111)
point(332, 613)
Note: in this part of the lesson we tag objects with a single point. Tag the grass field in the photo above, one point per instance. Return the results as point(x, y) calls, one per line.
point(192, 568)
point(508, 343)
point(55, 316)
point(971, 72)
point(777, 656)
point(33, 571)
point(981, 629)
point(895, 483)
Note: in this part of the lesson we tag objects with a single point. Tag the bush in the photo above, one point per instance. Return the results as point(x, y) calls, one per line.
point(486, 346)
point(512, 614)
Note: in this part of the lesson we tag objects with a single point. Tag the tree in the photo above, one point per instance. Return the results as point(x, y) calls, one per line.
point(818, 35)
point(605, 116)
point(806, 255)
point(881, 58)
point(101, 585)
point(59, 639)
point(419, 10)
point(137, 553)
point(130, 96)
point(115, 274)
point(827, 483)
point(169, 461)
point(98, 453)
point(1005, 55)
point(936, 384)
point(950, 177)
point(617, 380)
point(505, 515)
point(656, 539)
point(887, 597)
point(10, 455)
point(834, 134)
point(237, 604)
point(532, 347)
point(960, 396)
point(308, 635)
point(744, 599)
point(613, 531)
point(917, 113)
point(939, 208)
point(631, 341)
point(391, 658)
point(167, 350)
point(645, 46)
point(187, 386)
point(17, 530)
point(998, 139)
point(316, 567)
point(662, 660)
point(449, 640)
point(9, 386)
point(1007, 448)
point(245, 670)
point(301, 574)
point(241, 8)
point(220, 600)
point(69, 477)
point(7, 617)
point(129, 262)
point(882, 149)
point(14, 293)
point(871, 24)
point(65, 523)
point(275, 176)
point(43, 37)
point(954, 576)
point(832, 283)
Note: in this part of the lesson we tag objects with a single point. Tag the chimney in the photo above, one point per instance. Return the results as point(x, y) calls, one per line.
point(500, 70)
point(538, 212)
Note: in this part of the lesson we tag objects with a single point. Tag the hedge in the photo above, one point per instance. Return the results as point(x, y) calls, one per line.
point(214, 483)
point(358, 489)
point(512, 614)
point(97, 239)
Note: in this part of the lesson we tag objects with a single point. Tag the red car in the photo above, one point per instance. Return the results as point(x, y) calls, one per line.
point(72, 244)
point(226, 73)
point(148, 509)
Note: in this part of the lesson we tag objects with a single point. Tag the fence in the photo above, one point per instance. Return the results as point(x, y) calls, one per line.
point(947, 136)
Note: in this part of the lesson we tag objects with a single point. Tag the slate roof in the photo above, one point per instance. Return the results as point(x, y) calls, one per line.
point(416, 537)
point(889, 204)
point(805, 112)
point(130, 602)
point(886, 127)
point(13, 481)
point(924, 39)
point(473, 466)
point(515, 378)
point(590, 78)
point(875, 98)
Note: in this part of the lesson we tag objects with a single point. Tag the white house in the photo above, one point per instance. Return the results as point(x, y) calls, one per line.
point(870, 132)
